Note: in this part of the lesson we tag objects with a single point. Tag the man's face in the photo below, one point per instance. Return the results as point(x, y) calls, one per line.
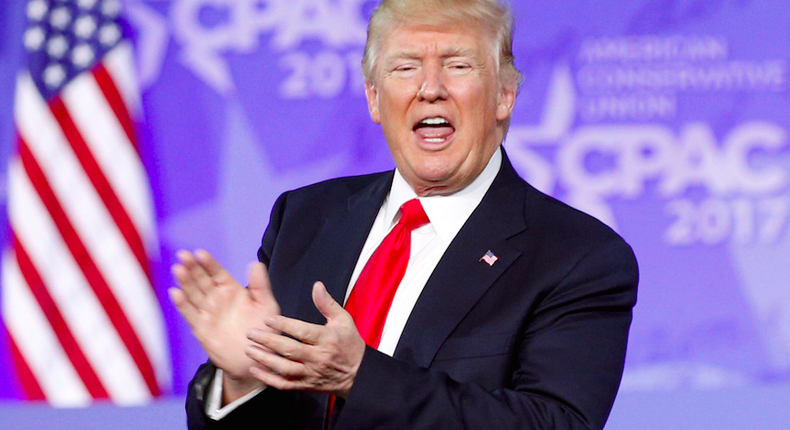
point(440, 103)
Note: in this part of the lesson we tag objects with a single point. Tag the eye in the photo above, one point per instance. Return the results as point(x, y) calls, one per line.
point(405, 68)
point(459, 66)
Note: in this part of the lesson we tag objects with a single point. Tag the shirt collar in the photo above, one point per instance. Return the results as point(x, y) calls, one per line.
point(447, 214)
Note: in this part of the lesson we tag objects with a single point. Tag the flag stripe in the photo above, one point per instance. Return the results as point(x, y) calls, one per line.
point(116, 155)
point(121, 68)
point(87, 265)
point(66, 283)
point(27, 379)
point(58, 323)
point(89, 216)
point(99, 181)
point(116, 102)
point(37, 344)
point(119, 163)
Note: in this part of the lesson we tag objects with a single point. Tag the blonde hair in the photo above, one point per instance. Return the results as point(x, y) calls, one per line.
point(491, 15)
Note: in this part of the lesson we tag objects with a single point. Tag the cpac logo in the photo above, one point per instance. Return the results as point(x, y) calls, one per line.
point(738, 173)
point(209, 29)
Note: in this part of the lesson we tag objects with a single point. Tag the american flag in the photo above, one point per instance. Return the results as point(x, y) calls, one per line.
point(489, 258)
point(78, 301)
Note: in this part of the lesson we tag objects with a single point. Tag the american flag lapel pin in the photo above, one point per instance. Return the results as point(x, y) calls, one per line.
point(489, 257)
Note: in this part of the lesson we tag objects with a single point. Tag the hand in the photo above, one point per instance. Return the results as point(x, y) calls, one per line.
point(220, 311)
point(320, 358)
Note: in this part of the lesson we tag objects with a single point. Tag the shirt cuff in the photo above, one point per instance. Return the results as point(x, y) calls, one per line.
point(214, 408)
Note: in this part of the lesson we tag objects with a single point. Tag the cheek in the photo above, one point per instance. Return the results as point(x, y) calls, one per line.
point(392, 110)
point(480, 100)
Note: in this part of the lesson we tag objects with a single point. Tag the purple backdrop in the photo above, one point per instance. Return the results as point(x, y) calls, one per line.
point(667, 119)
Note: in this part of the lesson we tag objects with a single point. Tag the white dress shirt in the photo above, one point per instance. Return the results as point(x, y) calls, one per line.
point(446, 215)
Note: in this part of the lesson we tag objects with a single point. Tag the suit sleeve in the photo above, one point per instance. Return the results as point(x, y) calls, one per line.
point(566, 370)
point(269, 410)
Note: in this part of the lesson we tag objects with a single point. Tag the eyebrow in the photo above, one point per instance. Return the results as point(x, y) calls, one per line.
point(448, 53)
point(458, 52)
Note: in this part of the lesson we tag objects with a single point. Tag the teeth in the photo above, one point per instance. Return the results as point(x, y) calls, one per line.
point(434, 140)
point(434, 121)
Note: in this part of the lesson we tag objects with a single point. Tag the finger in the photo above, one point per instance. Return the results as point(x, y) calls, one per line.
point(279, 365)
point(182, 303)
point(213, 269)
point(286, 347)
point(197, 273)
point(270, 379)
point(260, 287)
point(188, 285)
point(326, 304)
point(300, 330)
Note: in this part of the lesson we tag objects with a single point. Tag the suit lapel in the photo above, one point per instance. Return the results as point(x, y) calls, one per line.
point(461, 278)
point(339, 242)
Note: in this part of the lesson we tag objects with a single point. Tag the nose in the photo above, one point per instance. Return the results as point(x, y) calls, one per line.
point(432, 87)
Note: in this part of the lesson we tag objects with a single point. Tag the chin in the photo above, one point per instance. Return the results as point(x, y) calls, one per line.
point(434, 177)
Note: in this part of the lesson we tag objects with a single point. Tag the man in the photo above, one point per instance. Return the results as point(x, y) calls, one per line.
point(512, 311)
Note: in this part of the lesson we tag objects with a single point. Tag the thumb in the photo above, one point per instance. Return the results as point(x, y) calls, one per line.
point(260, 287)
point(326, 304)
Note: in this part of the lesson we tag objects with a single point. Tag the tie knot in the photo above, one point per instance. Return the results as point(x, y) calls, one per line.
point(412, 215)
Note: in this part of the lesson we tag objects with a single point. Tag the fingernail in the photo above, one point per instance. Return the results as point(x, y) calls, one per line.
point(321, 285)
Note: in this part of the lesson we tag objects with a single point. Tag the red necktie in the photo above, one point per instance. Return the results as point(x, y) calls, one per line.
point(371, 298)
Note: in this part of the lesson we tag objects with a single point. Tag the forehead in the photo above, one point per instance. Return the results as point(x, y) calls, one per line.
point(446, 39)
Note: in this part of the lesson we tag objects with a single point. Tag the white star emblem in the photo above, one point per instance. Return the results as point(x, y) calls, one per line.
point(60, 18)
point(86, 4)
point(34, 38)
point(111, 7)
point(84, 26)
point(57, 46)
point(109, 34)
point(36, 10)
point(54, 75)
point(82, 55)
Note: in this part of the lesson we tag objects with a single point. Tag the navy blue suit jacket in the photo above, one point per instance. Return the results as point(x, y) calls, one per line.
point(535, 341)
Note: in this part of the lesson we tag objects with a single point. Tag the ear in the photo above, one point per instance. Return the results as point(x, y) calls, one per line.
point(372, 94)
point(507, 99)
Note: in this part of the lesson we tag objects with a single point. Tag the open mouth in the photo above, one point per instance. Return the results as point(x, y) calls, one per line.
point(434, 129)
